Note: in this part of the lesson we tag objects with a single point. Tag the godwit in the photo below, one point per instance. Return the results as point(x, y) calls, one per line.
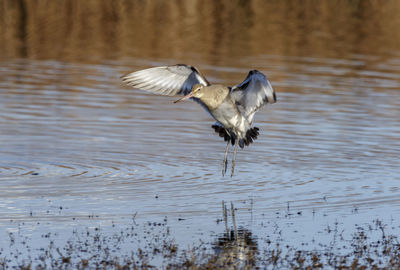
point(233, 108)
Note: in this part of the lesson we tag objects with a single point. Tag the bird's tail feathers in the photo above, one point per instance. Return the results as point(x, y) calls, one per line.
point(251, 135)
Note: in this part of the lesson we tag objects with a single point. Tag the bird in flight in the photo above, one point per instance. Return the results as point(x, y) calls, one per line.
point(233, 108)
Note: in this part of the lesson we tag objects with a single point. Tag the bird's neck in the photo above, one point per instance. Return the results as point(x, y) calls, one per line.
point(214, 96)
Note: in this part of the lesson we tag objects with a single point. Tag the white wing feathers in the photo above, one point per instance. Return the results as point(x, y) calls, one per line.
point(167, 80)
point(253, 93)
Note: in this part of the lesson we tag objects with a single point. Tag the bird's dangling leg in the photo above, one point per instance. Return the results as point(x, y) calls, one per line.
point(234, 155)
point(225, 164)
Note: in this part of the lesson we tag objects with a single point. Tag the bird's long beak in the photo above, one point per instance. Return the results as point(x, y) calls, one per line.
point(185, 97)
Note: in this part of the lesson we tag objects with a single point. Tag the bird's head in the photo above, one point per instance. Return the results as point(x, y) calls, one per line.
point(197, 92)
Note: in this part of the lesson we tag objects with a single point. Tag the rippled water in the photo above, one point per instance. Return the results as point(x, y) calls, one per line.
point(73, 136)
point(78, 148)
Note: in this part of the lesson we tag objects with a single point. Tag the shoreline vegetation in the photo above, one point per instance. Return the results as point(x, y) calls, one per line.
point(153, 247)
point(100, 29)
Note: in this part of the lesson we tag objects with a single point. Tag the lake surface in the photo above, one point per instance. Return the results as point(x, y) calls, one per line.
point(79, 149)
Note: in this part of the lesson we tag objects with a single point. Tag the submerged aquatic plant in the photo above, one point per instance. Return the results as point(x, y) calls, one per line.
point(151, 246)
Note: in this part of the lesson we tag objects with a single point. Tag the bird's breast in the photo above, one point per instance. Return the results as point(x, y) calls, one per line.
point(230, 117)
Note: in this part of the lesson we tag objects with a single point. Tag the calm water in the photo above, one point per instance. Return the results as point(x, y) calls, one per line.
point(79, 149)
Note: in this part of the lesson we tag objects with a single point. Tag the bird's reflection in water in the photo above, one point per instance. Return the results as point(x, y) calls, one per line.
point(236, 248)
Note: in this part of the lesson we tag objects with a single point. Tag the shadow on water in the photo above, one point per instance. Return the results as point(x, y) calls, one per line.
point(236, 248)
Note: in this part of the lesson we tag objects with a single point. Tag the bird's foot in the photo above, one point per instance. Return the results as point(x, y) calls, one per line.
point(234, 157)
point(224, 167)
point(233, 168)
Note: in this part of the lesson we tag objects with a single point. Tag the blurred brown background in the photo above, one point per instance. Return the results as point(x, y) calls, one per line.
point(211, 30)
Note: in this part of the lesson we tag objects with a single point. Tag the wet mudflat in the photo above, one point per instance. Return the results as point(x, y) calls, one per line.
point(80, 151)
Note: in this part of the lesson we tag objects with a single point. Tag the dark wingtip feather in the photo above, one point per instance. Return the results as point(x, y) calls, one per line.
point(223, 133)
point(251, 135)
point(241, 143)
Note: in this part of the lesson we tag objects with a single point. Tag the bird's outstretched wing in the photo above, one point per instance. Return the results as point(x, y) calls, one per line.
point(166, 80)
point(253, 93)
